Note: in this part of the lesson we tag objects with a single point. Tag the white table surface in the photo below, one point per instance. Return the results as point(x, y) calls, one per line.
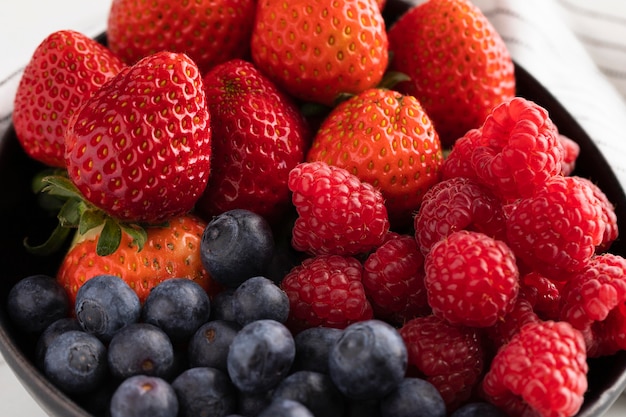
point(23, 24)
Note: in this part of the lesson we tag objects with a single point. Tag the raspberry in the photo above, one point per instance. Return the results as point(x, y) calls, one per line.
point(326, 290)
point(555, 232)
point(337, 213)
point(458, 204)
point(542, 371)
point(393, 278)
point(504, 330)
point(471, 279)
point(458, 162)
point(608, 336)
point(449, 357)
point(519, 149)
point(571, 150)
point(543, 294)
point(608, 214)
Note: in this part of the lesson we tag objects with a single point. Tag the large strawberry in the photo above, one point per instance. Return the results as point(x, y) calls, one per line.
point(139, 149)
point(259, 135)
point(171, 251)
point(387, 140)
point(459, 66)
point(209, 31)
point(65, 69)
point(317, 49)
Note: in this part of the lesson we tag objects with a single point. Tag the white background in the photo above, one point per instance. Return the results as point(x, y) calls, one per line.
point(23, 24)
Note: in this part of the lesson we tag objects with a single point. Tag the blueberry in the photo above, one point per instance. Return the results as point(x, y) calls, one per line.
point(252, 404)
point(141, 348)
point(143, 395)
point(478, 409)
point(75, 362)
point(105, 304)
point(236, 245)
point(414, 397)
point(35, 302)
point(313, 347)
point(260, 298)
point(50, 333)
point(209, 345)
point(204, 392)
point(260, 355)
point(283, 407)
point(222, 306)
point(315, 391)
point(178, 306)
point(368, 361)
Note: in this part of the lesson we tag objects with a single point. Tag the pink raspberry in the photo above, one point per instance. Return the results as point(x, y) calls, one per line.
point(393, 278)
point(555, 231)
point(503, 330)
point(450, 357)
point(542, 372)
point(458, 163)
point(543, 294)
point(326, 290)
point(337, 213)
point(471, 279)
point(571, 150)
point(519, 149)
point(609, 216)
point(458, 204)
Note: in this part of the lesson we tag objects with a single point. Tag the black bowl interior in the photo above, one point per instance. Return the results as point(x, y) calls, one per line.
point(21, 217)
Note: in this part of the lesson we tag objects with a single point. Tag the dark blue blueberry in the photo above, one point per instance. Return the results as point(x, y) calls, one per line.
point(210, 344)
point(76, 362)
point(222, 306)
point(313, 347)
point(204, 392)
point(368, 361)
point(179, 306)
point(237, 245)
point(260, 356)
point(315, 391)
point(252, 404)
point(478, 409)
point(260, 298)
point(52, 331)
point(283, 407)
point(35, 302)
point(141, 348)
point(143, 395)
point(105, 304)
point(414, 397)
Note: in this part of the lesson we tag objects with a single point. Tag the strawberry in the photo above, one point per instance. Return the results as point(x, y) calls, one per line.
point(258, 135)
point(316, 50)
point(208, 31)
point(458, 64)
point(139, 149)
point(171, 251)
point(387, 140)
point(66, 68)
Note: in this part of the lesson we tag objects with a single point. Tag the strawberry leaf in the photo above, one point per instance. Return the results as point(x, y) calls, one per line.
point(60, 186)
point(54, 243)
point(90, 219)
point(137, 233)
point(109, 239)
point(392, 78)
point(69, 215)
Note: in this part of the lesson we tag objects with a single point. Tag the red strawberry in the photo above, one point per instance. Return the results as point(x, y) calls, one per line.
point(387, 140)
point(337, 213)
point(171, 251)
point(316, 50)
point(258, 135)
point(209, 31)
point(66, 68)
point(139, 148)
point(459, 66)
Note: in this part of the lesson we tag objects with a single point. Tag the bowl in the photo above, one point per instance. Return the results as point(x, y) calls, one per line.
point(21, 217)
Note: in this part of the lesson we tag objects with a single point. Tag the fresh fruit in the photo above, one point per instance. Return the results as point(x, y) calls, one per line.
point(385, 139)
point(143, 395)
point(209, 345)
point(284, 407)
point(258, 134)
point(413, 394)
point(314, 390)
point(259, 298)
point(337, 213)
point(368, 360)
point(471, 279)
point(204, 391)
point(171, 251)
point(65, 69)
point(208, 31)
point(541, 371)
point(139, 148)
point(105, 304)
point(56, 328)
point(236, 245)
point(459, 66)
point(313, 347)
point(326, 290)
point(178, 306)
point(317, 50)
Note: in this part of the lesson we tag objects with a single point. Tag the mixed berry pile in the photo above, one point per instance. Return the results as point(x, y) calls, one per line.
point(308, 208)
